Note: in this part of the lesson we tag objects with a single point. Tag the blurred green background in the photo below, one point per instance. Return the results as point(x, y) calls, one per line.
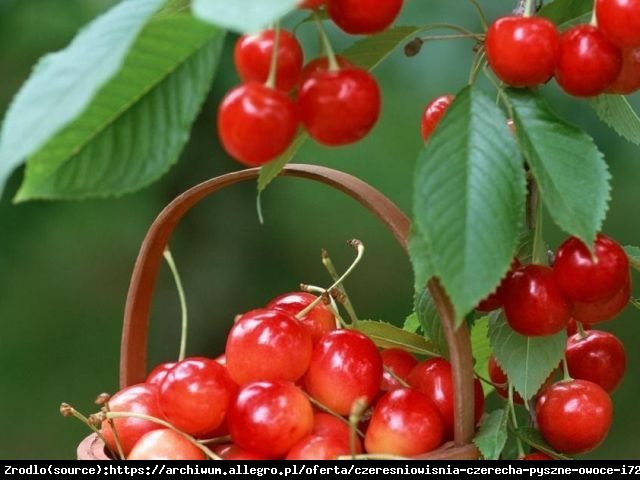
point(65, 267)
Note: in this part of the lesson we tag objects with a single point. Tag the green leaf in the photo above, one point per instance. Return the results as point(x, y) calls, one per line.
point(469, 196)
point(492, 436)
point(634, 256)
point(532, 437)
point(570, 170)
point(369, 52)
point(242, 16)
point(386, 335)
point(62, 84)
point(527, 361)
point(565, 13)
point(419, 251)
point(137, 125)
point(411, 323)
point(429, 319)
point(366, 53)
point(615, 111)
point(481, 348)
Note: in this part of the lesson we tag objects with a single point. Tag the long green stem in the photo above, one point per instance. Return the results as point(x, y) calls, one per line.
point(514, 420)
point(326, 44)
point(184, 324)
point(529, 8)
point(68, 411)
point(332, 303)
point(346, 302)
point(273, 67)
point(483, 18)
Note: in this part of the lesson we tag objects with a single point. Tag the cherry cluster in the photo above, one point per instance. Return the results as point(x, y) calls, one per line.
point(291, 384)
point(585, 59)
point(336, 102)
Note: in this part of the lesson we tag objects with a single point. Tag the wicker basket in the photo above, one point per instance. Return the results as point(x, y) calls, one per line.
point(133, 359)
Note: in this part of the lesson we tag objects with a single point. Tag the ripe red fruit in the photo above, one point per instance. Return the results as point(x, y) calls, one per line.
point(157, 373)
point(598, 357)
point(267, 344)
point(595, 312)
point(196, 394)
point(522, 51)
point(140, 398)
point(404, 422)
point(345, 366)
point(231, 451)
point(532, 302)
point(398, 361)
point(619, 21)
point(338, 107)
point(572, 326)
point(321, 64)
point(256, 123)
point(582, 278)
point(269, 417)
point(494, 300)
point(588, 62)
point(574, 416)
point(434, 378)
point(252, 56)
point(628, 80)
point(318, 321)
point(363, 16)
point(318, 447)
point(326, 424)
point(432, 114)
point(165, 444)
point(498, 377)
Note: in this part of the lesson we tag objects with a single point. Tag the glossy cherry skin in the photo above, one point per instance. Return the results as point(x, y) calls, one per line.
point(532, 302)
point(588, 62)
point(330, 425)
point(318, 321)
point(628, 80)
point(404, 422)
point(270, 417)
point(590, 313)
point(231, 451)
point(140, 398)
point(165, 444)
point(397, 363)
point(345, 366)
point(433, 112)
point(318, 447)
point(574, 416)
point(522, 51)
point(339, 107)
point(256, 123)
point(619, 21)
point(598, 357)
point(321, 64)
point(157, 373)
point(267, 344)
point(582, 279)
point(494, 300)
point(363, 16)
point(252, 56)
point(196, 394)
point(434, 378)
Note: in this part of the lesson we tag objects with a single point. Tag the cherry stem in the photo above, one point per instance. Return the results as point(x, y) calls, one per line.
point(581, 331)
point(332, 303)
point(529, 8)
point(326, 409)
point(358, 245)
point(534, 214)
point(396, 377)
point(184, 323)
point(476, 66)
point(635, 302)
point(68, 411)
point(326, 44)
point(514, 419)
point(594, 18)
point(483, 18)
point(165, 424)
point(259, 208)
point(273, 67)
point(566, 376)
point(355, 415)
point(116, 434)
point(345, 301)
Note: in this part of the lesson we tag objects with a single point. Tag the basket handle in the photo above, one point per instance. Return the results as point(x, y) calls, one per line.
point(133, 357)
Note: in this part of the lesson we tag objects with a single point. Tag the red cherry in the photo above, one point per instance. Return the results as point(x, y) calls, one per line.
point(338, 107)
point(252, 57)
point(588, 62)
point(345, 366)
point(434, 378)
point(398, 361)
point(598, 357)
point(498, 377)
point(196, 394)
point(330, 425)
point(522, 51)
point(269, 417)
point(256, 123)
point(140, 398)
point(574, 416)
point(536, 456)
point(572, 326)
point(628, 80)
point(532, 302)
point(231, 451)
point(583, 278)
point(267, 344)
point(157, 374)
point(321, 64)
point(165, 444)
point(318, 447)
point(596, 312)
point(494, 300)
point(619, 21)
point(404, 422)
point(363, 16)
point(318, 321)
point(432, 114)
